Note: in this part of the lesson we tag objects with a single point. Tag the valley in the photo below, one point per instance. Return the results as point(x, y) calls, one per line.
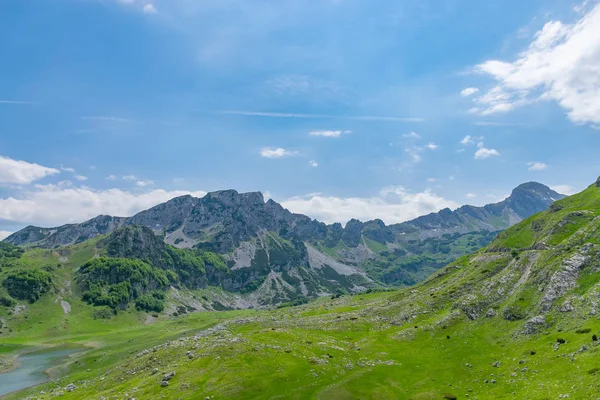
point(515, 319)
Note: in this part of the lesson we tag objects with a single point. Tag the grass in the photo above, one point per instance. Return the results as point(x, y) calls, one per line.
point(331, 349)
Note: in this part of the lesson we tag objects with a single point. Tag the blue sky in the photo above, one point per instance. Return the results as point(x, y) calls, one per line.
point(336, 108)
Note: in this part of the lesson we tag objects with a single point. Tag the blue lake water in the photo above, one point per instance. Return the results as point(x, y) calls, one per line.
point(31, 369)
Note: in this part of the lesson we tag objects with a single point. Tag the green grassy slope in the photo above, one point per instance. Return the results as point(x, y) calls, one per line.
point(515, 320)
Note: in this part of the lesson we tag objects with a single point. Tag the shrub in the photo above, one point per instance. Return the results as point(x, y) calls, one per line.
point(151, 302)
point(103, 312)
point(8, 250)
point(28, 284)
point(584, 330)
point(7, 301)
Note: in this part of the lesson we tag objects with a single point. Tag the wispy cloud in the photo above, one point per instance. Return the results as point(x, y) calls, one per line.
point(270, 152)
point(108, 119)
point(468, 140)
point(469, 91)
point(313, 163)
point(333, 134)
point(149, 9)
point(537, 166)
point(411, 135)
point(494, 123)
point(318, 116)
point(144, 183)
point(17, 102)
point(67, 169)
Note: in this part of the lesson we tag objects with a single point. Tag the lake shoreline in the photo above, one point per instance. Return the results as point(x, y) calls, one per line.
point(38, 373)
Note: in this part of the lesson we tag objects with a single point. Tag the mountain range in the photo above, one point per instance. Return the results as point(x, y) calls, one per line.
point(517, 318)
point(274, 255)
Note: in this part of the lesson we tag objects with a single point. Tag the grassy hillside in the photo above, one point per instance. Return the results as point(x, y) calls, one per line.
point(518, 319)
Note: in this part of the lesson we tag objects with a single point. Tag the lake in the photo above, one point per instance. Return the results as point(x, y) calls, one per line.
point(30, 370)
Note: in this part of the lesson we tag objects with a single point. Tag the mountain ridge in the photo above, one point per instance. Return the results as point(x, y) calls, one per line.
point(263, 242)
point(181, 207)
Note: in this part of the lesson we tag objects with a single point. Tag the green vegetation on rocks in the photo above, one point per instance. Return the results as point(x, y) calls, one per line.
point(28, 285)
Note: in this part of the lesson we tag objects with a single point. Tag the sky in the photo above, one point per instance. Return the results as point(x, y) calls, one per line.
point(337, 109)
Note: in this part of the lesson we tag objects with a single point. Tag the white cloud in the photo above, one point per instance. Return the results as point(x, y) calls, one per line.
point(270, 152)
point(5, 234)
point(561, 64)
point(313, 163)
point(411, 135)
point(414, 153)
point(111, 178)
point(564, 189)
point(537, 166)
point(469, 91)
point(51, 205)
point(470, 195)
point(468, 140)
point(333, 134)
point(67, 169)
point(129, 178)
point(144, 183)
point(318, 116)
point(431, 146)
point(149, 9)
point(22, 172)
point(483, 153)
point(81, 177)
point(395, 204)
point(431, 180)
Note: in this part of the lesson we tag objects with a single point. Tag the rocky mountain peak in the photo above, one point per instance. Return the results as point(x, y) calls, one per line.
point(598, 182)
point(231, 198)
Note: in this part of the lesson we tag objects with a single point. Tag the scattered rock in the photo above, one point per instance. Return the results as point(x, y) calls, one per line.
point(164, 383)
point(497, 364)
point(534, 324)
point(154, 371)
point(491, 313)
point(70, 387)
point(169, 376)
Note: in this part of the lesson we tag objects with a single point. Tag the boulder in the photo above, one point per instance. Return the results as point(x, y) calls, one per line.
point(534, 324)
